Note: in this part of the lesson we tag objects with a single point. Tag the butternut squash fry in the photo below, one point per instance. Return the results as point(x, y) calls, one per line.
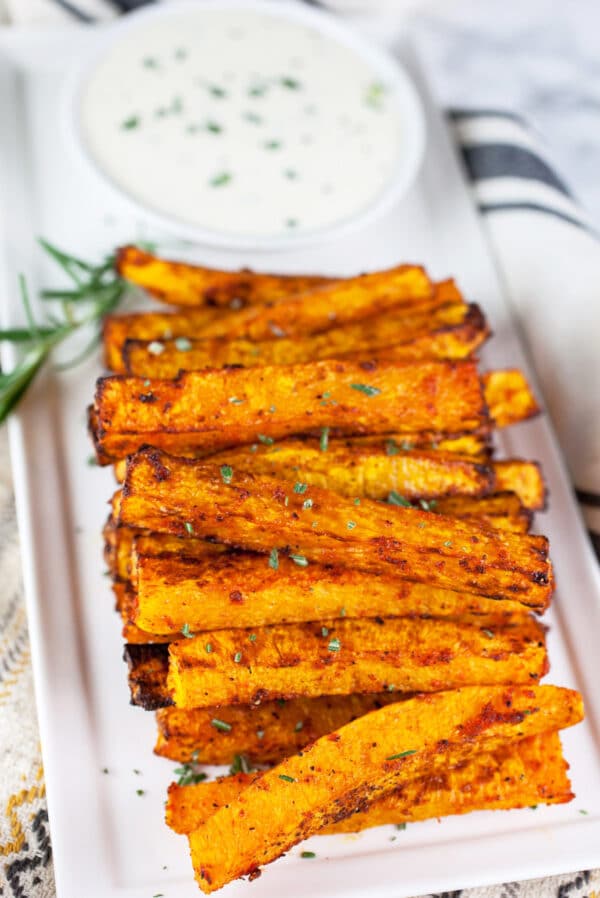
point(239, 590)
point(517, 775)
point(265, 733)
point(183, 284)
point(340, 657)
point(296, 316)
point(502, 511)
point(212, 410)
point(510, 396)
point(183, 497)
point(147, 667)
point(453, 331)
point(523, 478)
point(363, 761)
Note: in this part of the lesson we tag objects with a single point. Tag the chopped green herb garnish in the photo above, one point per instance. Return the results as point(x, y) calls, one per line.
point(298, 726)
point(268, 441)
point(291, 174)
point(366, 389)
point(257, 90)
point(448, 543)
point(105, 770)
point(187, 775)
point(288, 779)
point(156, 347)
point(216, 91)
point(406, 446)
point(183, 344)
point(583, 811)
point(391, 447)
point(357, 501)
point(274, 559)
point(307, 854)
point(150, 62)
point(350, 525)
point(240, 765)
point(272, 144)
point(401, 826)
point(235, 401)
point(130, 123)
point(342, 612)
point(291, 222)
point(92, 461)
point(220, 180)
point(375, 94)
point(395, 498)
point(253, 117)
point(189, 527)
point(139, 792)
point(488, 633)
point(187, 632)
point(226, 473)
point(391, 687)
point(324, 631)
point(300, 560)
point(221, 725)
point(324, 441)
point(208, 648)
point(260, 734)
point(213, 127)
point(147, 382)
point(290, 83)
point(308, 503)
point(427, 505)
point(300, 487)
point(252, 637)
point(402, 754)
point(334, 645)
point(237, 657)
point(421, 525)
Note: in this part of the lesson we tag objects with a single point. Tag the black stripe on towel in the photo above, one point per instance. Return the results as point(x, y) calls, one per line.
point(536, 207)
point(506, 160)
point(457, 114)
point(587, 498)
point(74, 11)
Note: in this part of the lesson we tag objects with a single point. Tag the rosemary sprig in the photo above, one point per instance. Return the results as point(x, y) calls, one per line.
point(97, 290)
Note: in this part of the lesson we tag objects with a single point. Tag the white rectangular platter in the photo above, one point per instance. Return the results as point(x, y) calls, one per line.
point(110, 842)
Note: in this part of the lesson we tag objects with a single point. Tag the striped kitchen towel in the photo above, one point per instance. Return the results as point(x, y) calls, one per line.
point(548, 256)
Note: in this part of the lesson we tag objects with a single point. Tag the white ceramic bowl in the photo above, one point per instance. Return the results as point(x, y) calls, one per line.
point(399, 89)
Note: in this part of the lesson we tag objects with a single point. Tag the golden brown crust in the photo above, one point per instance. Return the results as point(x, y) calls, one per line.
point(510, 396)
point(184, 497)
point(517, 775)
point(370, 757)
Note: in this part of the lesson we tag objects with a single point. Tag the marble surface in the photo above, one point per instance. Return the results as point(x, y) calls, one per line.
point(540, 58)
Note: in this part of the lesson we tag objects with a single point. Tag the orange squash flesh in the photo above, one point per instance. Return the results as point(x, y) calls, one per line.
point(364, 761)
point(183, 497)
point(215, 409)
point(517, 775)
point(340, 657)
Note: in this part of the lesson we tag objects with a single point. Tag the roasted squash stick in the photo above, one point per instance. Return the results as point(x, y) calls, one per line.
point(184, 497)
point(340, 657)
point(523, 478)
point(264, 733)
point(453, 331)
point(518, 775)
point(364, 761)
point(311, 313)
point(237, 589)
point(213, 410)
point(183, 284)
point(510, 396)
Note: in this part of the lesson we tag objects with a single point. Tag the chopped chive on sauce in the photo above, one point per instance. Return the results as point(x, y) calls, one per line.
point(274, 559)
point(300, 487)
point(130, 123)
point(226, 473)
point(395, 498)
point(187, 632)
point(300, 560)
point(366, 389)
point(288, 779)
point(220, 180)
point(221, 725)
point(189, 528)
point(267, 441)
point(402, 754)
point(324, 441)
point(334, 645)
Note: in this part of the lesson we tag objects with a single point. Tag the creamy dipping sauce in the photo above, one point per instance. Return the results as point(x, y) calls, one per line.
point(241, 122)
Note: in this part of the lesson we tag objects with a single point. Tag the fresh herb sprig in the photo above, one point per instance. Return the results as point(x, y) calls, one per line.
point(97, 290)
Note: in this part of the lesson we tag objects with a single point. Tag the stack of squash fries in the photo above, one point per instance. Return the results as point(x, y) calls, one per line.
point(325, 576)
